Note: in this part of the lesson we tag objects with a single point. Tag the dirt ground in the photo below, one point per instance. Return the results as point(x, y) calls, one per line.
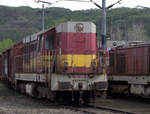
point(12, 102)
point(130, 104)
point(16, 103)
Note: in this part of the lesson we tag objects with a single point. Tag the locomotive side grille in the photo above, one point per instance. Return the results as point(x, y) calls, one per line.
point(111, 60)
point(121, 63)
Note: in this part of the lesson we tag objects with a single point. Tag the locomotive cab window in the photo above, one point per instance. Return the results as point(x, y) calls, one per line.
point(49, 42)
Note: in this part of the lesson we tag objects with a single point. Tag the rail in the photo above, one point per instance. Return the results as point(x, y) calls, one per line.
point(115, 110)
point(97, 109)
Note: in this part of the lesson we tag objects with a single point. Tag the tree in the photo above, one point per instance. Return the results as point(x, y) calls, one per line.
point(117, 35)
point(137, 33)
point(5, 44)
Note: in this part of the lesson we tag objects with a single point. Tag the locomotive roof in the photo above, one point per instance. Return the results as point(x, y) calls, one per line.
point(77, 26)
point(64, 27)
point(34, 36)
point(132, 46)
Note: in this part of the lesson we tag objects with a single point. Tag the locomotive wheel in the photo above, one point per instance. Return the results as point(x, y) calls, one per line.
point(51, 96)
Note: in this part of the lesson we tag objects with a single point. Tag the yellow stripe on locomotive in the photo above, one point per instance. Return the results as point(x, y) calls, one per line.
point(73, 61)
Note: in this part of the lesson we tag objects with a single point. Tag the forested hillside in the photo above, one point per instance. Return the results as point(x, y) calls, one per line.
point(127, 24)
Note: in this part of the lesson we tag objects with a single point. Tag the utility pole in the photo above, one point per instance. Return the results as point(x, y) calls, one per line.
point(111, 27)
point(104, 8)
point(43, 18)
point(103, 23)
point(43, 12)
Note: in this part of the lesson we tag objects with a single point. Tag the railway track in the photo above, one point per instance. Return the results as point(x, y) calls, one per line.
point(114, 110)
point(111, 106)
point(104, 106)
point(90, 109)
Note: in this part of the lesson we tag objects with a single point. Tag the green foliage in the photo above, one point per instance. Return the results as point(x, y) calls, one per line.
point(5, 44)
point(16, 23)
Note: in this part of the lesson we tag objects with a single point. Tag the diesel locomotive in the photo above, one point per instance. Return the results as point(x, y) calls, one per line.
point(129, 70)
point(63, 63)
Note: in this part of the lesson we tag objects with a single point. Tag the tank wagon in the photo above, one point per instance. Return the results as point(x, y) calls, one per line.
point(61, 62)
point(129, 70)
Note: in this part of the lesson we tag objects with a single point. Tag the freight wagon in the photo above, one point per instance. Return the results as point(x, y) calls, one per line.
point(62, 62)
point(1, 76)
point(129, 70)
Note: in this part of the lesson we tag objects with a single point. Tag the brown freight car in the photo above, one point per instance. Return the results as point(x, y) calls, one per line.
point(129, 70)
point(6, 65)
point(12, 62)
point(1, 67)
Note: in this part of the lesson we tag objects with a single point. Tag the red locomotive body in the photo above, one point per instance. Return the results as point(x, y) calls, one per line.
point(78, 48)
point(64, 59)
point(129, 70)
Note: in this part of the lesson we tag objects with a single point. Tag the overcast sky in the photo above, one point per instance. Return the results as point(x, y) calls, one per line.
point(75, 5)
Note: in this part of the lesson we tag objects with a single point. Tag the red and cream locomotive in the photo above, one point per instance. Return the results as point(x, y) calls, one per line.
point(61, 62)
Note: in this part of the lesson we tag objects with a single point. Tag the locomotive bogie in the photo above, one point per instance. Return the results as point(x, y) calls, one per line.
point(138, 85)
point(140, 89)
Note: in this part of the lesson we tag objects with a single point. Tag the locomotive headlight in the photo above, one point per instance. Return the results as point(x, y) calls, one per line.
point(79, 27)
point(65, 66)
